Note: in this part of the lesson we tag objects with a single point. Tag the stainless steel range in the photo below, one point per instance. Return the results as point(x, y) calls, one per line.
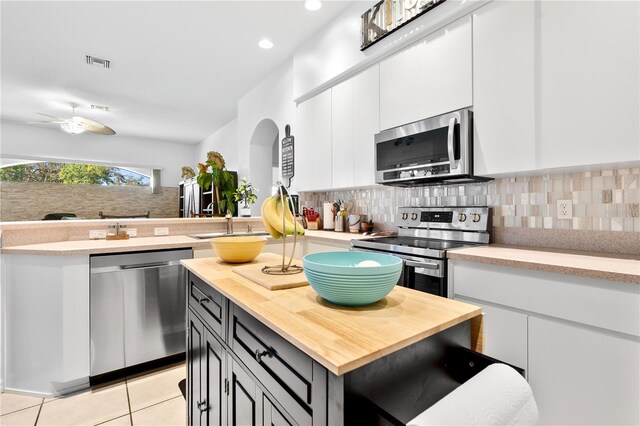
point(424, 236)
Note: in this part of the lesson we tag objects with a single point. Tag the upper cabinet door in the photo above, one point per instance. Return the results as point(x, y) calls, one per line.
point(589, 104)
point(313, 144)
point(503, 88)
point(366, 123)
point(445, 70)
point(399, 84)
point(342, 131)
point(429, 78)
point(355, 119)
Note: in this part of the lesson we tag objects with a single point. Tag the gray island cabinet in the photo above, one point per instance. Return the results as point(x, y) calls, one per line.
point(287, 357)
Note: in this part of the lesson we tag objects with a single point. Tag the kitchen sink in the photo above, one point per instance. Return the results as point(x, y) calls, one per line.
point(224, 234)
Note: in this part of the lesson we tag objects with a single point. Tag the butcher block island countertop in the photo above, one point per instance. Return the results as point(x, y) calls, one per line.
point(341, 338)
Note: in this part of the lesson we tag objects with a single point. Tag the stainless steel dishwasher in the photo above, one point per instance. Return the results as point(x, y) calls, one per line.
point(137, 308)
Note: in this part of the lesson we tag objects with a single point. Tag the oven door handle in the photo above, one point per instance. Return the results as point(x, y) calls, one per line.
point(450, 136)
point(423, 265)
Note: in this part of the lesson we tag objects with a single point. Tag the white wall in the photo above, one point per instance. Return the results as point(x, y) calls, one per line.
point(18, 141)
point(225, 141)
point(271, 99)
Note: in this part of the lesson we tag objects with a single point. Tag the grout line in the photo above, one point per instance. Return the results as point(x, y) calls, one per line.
point(39, 411)
point(126, 386)
point(21, 409)
point(158, 403)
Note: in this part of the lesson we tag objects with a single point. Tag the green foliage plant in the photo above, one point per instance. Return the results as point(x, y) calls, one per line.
point(245, 193)
point(211, 174)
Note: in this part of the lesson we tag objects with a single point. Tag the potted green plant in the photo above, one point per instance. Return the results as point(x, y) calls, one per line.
point(245, 195)
point(213, 172)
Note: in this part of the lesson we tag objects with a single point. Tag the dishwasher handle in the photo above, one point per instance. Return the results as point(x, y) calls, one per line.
point(133, 267)
point(148, 265)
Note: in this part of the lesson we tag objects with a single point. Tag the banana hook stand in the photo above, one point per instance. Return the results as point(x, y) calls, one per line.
point(286, 268)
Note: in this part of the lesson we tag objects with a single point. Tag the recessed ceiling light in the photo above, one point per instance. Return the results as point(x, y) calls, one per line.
point(265, 44)
point(312, 4)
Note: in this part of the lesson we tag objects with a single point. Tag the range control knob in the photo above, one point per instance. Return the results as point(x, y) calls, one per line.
point(475, 217)
point(414, 216)
point(404, 216)
point(462, 217)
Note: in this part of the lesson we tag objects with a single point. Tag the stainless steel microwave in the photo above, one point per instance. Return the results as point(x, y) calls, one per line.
point(437, 150)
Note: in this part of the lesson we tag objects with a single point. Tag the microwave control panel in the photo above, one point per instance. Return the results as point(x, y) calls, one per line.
point(459, 218)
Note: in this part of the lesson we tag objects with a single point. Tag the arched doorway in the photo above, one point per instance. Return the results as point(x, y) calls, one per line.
point(264, 160)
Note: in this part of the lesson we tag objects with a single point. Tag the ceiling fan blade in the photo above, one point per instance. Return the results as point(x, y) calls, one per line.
point(45, 122)
point(97, 127)
point(104, 130)
point(52, 116)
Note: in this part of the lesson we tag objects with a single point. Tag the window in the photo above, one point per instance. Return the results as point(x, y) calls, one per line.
point(73, 173)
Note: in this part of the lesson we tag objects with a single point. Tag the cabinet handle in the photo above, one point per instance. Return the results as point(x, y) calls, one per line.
point(259, 354)
point(202, 300)
point(203, 406)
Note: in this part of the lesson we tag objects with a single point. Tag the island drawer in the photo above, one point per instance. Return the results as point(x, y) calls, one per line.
point(208, 303)
point(281, 367)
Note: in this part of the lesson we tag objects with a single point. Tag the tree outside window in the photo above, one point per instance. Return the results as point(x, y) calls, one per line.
point(72, 173)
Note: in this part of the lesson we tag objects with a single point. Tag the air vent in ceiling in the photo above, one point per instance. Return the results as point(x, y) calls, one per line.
point(100, 108)
point(98, 62)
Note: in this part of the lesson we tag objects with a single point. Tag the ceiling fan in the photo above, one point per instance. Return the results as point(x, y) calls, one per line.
point(76, 124)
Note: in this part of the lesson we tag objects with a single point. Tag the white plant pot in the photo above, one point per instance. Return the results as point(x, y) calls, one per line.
point(245, 212)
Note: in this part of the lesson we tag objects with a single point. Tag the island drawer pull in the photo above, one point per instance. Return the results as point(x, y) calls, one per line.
point(259, 354)
point(203, 406)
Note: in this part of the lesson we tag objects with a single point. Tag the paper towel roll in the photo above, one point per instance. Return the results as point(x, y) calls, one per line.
point(327, 216)
point(498, 395)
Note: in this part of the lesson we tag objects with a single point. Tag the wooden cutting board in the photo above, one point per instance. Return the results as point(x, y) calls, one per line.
point(254, 273)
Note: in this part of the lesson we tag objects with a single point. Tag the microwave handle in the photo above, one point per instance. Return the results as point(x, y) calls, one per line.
point(450, 136)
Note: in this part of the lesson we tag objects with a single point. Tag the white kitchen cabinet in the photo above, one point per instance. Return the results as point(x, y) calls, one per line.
point(589, 84)
point(505, 334)
point(429, 78)
point(46, 346)
point(275, 246)
point(354, 122)
point(318, 246)
point(366, 123)
point(503, 87)
point(582, 349)
point(313, 144)
point(583, 376)
point(342, 130)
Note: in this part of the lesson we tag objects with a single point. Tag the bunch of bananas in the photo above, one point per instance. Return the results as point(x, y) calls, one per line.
point(272, 218)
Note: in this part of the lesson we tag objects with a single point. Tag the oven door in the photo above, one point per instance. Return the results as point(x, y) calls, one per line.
point(427, 275)
point(420, 273)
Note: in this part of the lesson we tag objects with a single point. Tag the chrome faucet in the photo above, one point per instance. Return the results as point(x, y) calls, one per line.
point(229, 222)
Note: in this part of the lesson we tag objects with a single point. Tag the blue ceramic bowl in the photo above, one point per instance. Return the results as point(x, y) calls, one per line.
point(336, 278)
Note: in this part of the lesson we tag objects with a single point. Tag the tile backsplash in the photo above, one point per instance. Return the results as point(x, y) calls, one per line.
point(605, 200)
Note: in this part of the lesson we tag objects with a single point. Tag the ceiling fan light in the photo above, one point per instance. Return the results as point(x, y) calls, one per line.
point(312, 5)
point(73, 127)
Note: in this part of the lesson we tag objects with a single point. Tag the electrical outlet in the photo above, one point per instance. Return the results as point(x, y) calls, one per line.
point(133, 232)
point(96, 234)
point(565, 209)
point(161, 231)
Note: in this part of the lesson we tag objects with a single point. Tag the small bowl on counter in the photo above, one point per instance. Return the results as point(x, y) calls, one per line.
point(352, 278)
point(238, 249)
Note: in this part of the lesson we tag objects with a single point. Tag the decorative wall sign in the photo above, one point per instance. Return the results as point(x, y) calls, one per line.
point(389, 15)
point(287, 164)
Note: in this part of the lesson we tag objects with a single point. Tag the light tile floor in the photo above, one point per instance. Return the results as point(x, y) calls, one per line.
point(152, 398)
